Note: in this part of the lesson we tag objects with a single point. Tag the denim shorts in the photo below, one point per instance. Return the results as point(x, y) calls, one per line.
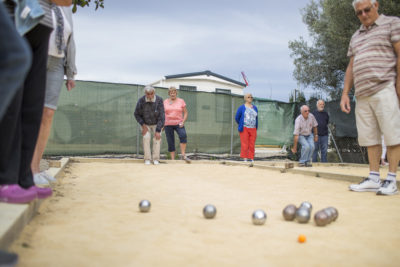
point(54, 81)
point(169, 133)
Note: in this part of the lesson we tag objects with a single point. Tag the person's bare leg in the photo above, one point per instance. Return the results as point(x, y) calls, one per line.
point(44, 132)
point(374, 157)
point(183, 149)
point(172, 155)
point(393, 154)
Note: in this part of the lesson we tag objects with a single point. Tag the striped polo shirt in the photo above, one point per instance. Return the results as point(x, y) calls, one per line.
point(374, 57)
point(47, 20)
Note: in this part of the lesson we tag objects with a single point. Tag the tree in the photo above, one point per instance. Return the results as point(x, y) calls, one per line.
point(83, 3)
point(321, 65)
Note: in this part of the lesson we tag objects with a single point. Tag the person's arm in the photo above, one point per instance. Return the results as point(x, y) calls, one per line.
point(238, 115)
point(397, 51)
point(295, 141)
point(348, 84)
point(70, 54)
point(185, 115)
point(315, 130)
point(62, 2)
point(161, 114)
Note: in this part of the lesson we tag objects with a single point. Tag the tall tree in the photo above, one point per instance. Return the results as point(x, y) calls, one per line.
point(331, 23)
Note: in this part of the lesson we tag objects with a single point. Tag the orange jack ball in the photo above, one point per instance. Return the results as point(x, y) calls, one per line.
point(301, 238)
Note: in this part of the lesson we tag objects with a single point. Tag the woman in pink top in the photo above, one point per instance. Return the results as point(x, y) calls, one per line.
point(174, 107)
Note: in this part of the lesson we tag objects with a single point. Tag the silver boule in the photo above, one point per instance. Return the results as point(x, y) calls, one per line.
point(330, 214)
point(335, 213)
point(307, 205)
point(209, 211)
point(144, 206)
point(321, 218)
point(289, 212)
point(303, 215)
point(259, 217)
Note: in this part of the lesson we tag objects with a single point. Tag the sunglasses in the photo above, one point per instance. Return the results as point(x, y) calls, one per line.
point(306, 111)
point(365, 10)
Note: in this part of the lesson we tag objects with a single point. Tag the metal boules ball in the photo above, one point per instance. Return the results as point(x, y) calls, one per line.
point(306, 205)
point(144, 206)
point(303, 215)
point(330, 214)
point(259, 217)
point(209, 211)
point(289, 212)
point(321, 218)
point(335, 213)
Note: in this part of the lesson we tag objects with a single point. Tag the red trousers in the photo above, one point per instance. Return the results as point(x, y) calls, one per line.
point(247, 142)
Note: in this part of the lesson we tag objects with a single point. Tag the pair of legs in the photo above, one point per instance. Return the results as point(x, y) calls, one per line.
point(321, 145)
point(247, 142)
point(19, 128)
point(374, 155)
point(156, 144)
point(307, 148)
point(54, 82)
point(169, 133)
point(376, 115)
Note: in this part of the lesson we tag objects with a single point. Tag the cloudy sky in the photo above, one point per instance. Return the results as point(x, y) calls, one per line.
point(139, 42)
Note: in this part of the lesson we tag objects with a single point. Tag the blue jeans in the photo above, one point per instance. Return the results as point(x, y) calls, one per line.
point(322, 145)
point(15, 60)
point(169, 133)
point(307, 147)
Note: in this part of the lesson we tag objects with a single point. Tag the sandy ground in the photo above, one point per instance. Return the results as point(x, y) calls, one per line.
point(93, 219)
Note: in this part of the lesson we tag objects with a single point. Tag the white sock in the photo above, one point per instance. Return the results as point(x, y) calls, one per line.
point(374, 176)
point(391, 176)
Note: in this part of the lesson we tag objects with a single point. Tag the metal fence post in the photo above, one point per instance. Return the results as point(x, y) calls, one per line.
point(138, 128)
point(232, 119)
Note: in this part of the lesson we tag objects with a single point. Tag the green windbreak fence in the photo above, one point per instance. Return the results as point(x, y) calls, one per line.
point(97, 118)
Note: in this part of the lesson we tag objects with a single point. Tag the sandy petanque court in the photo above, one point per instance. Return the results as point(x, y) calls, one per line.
point(93, 219)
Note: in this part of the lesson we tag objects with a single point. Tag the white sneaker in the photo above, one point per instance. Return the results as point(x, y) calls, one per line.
point(367, 185)
point(48, 177)
point(156, 162)
point(245, 160)
point(147, 162)
point(388, 187)
point(38, 179)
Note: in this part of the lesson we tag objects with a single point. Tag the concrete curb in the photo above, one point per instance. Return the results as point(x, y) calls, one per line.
point(14, 217)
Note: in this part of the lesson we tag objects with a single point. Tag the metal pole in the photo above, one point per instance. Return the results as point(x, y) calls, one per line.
point(232, 120)
point(333, 139)
point(138, 128)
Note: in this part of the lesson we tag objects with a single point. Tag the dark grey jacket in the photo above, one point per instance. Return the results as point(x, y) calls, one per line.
point(150, 113)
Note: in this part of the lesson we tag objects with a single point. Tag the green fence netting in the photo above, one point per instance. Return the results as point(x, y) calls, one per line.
point(97, 118)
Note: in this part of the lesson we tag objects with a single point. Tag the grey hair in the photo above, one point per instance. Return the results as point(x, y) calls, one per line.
point(319, 100)
point(149, 89)
point(355, 2)
point(303, 107)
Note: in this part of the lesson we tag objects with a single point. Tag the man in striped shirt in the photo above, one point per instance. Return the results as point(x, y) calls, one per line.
point(374, 70)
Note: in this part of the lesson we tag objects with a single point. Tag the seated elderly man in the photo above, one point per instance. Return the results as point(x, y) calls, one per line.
point(303, 126)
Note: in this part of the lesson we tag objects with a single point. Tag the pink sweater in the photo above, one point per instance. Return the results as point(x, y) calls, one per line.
point(174, 111)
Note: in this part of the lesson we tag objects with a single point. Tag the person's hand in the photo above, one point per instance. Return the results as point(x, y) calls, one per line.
point(294, 150)
point(345, 103)
point(144, 129)
point(70, 84)
point(181, 124)
point(315, 138)
point(157, 135)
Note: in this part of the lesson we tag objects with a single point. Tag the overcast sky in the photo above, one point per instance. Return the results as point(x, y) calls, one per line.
point(139, 42)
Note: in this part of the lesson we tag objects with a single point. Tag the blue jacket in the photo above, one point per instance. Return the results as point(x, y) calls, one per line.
point(240, 117)
point(28, 13)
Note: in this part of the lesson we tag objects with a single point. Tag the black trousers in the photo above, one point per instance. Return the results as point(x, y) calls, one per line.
point(20, 125)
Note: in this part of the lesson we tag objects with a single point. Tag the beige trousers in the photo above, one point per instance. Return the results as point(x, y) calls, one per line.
point(156, 144)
